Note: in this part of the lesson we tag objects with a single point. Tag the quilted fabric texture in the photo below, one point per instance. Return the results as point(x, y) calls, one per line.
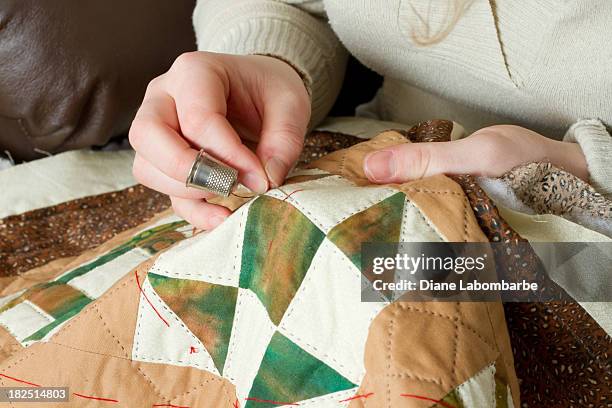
point(266, 310)
point(34, 313)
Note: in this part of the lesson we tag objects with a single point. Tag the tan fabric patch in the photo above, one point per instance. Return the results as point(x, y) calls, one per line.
point(117, 310)
point(128, 383)
point(443, 202)
point(348, 163)
point(8, 344)
point(426, 349)
point(12, 284)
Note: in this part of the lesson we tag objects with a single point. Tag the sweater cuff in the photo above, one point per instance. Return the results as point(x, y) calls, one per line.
point(596, 144)
point(279, 30)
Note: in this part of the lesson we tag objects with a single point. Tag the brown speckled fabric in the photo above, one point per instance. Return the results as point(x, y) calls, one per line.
point(561, 355)
point(547, 189)
point(37, 237)
point(563, 358)
point(318, 144)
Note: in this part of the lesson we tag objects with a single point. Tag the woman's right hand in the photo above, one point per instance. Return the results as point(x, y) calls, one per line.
point(216, 102)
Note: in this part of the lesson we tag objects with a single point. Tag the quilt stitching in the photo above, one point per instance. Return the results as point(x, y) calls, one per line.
point(459, 321)
point(88, 309)
point(180, 323)
point(116, 339)
point(181, 275)
point(99, 315)
point(294, 304)
point(389, 346)
point(456, 340)
point(342, 162)
point(428, 191)
point(37, 310)
point(233, 340)
point(203, 383)
point(465, 220)
point(87, 351)
point(424, 218)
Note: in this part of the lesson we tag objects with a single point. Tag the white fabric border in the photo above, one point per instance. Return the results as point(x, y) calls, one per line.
point(63, 177)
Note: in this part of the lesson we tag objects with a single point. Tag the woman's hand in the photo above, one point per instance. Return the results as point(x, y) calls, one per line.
point(490, 152)
point(217, 102)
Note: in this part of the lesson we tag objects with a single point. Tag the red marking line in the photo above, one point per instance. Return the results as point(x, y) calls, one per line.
point(270, 402)
point(147, 299)
point(292, 193)
point(169, 405)
point(18, 380)
point(95, 398)
point(364, 396)
point(420, 397)
point(236, 404)
point(193, 350)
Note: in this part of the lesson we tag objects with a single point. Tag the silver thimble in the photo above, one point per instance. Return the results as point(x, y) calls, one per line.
point(209, 174)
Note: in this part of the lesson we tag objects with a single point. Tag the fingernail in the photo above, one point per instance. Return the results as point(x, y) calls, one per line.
point(275, 169)
point(255, 183)
point(380, 166)
point(216, 220)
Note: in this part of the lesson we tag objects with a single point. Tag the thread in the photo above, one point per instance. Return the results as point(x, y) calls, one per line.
point(270, 401)
point(18, 380)
point(95, 398)
point(420, 397)
point(147, 299)
point(364, 396)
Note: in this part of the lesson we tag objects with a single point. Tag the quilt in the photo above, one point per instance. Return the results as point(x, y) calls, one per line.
point(266, 309)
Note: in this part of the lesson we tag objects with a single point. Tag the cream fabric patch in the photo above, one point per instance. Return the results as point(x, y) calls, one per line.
point(330, 200)
point(212, 257)
point(100, 279)
point(251, 335)
point(63, 177)
point(479, 391)
point(24, 319)
point(327, 317)
point(156, 342)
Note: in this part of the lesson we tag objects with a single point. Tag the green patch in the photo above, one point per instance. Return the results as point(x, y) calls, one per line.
point(288, 374)
point(205, 308)
point(451, 399)
point(151, 240)
point(279, 244)
point(501, 394)
point(380, 223)
point(57, 299)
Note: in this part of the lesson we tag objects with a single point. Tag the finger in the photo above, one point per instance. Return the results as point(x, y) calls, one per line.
point(285, 121)
point(156, 141)
point(152, 177)
point(200, 93)
point(410, 161)
point(199, 213)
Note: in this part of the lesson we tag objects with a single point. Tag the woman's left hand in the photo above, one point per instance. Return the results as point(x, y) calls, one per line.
point(491, 152)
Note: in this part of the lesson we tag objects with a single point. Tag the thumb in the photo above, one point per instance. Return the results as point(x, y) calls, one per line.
point(410, 161)
point(282, 136)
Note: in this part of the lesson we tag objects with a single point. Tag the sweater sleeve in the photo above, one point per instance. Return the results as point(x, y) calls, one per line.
point(596, 144)
point(296, 33)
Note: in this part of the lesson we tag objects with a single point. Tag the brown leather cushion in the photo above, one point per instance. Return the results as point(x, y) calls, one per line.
point(73, 72)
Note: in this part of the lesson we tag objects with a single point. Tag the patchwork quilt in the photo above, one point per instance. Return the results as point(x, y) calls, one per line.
point(266, 309)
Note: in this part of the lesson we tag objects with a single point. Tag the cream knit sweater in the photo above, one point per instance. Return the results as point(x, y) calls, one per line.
point(545, 64)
